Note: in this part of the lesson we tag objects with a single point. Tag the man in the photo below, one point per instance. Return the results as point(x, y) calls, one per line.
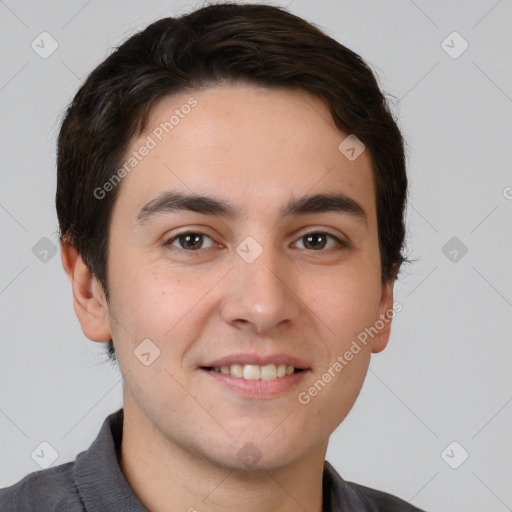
point(231, 194)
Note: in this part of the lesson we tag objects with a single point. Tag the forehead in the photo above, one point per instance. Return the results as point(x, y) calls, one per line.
point(244, 142)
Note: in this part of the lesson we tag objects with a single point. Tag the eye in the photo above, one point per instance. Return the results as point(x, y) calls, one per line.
point(190, 241)
point(318, 240)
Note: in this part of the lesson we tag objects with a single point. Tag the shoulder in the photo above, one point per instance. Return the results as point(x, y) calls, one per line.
point(342, 495)
point(48, 490)
point(379, 501)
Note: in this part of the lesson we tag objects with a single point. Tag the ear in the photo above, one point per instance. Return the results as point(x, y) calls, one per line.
point(385, 306)
point(88, 298)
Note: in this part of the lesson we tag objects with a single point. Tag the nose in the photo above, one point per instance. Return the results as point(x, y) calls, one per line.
point(260, 296)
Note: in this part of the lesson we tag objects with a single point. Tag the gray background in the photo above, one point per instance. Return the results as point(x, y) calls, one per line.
point(445, 375)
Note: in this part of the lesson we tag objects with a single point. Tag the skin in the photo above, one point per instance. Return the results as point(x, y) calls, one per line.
point(256, 148)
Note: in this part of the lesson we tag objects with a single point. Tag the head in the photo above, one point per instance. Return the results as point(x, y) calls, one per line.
point(246, 108)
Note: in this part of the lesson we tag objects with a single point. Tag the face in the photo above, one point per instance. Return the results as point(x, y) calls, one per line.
point(262, 277)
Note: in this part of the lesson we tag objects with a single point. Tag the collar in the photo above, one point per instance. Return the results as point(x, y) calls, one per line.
point(102, 485)
point(98, 476)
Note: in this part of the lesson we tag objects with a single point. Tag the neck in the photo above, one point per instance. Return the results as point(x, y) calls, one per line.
point(166, 476)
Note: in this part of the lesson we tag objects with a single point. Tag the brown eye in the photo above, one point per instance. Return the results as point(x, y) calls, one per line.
point(317, 241)
point(190, 241)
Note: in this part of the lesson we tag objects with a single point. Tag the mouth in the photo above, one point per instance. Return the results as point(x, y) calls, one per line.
point(255, 376)
point(270, 371)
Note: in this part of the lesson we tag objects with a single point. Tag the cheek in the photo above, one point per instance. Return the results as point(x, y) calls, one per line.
point(348, 304)
point(144, 305)
point(346, 301)
point(167, 306)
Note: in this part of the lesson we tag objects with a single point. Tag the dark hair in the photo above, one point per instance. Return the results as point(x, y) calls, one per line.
point(216, 44)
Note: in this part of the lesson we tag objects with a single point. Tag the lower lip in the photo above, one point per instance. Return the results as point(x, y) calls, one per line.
point(258, 388)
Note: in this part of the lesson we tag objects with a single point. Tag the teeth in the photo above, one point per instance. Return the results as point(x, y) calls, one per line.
point(269, 372)
point(255, 372)
point(237, 370)
point(281, 370)
point(252, 372)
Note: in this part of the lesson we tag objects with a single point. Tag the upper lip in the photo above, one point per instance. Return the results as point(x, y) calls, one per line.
point(258, 360)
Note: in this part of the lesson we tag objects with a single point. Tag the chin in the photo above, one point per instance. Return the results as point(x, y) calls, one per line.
point(250, 459)
point(258, 452)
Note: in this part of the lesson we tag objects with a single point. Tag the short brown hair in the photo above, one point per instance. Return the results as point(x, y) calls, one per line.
point(219, 43)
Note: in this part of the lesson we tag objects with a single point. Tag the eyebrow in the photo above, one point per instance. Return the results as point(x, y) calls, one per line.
point(171, 202)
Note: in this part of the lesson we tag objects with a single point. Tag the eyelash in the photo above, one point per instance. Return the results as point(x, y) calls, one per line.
point(341, 244)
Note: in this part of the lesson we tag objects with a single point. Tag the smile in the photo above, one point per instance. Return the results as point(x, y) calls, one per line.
point(255, 372)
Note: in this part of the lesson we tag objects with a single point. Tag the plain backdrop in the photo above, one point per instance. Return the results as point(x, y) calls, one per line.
point(442, 390)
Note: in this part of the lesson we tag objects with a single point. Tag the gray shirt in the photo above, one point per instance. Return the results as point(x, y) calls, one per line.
point(94, 482)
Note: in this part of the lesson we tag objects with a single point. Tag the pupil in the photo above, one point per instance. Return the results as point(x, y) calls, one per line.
point(191, 241)
point(311, 240)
